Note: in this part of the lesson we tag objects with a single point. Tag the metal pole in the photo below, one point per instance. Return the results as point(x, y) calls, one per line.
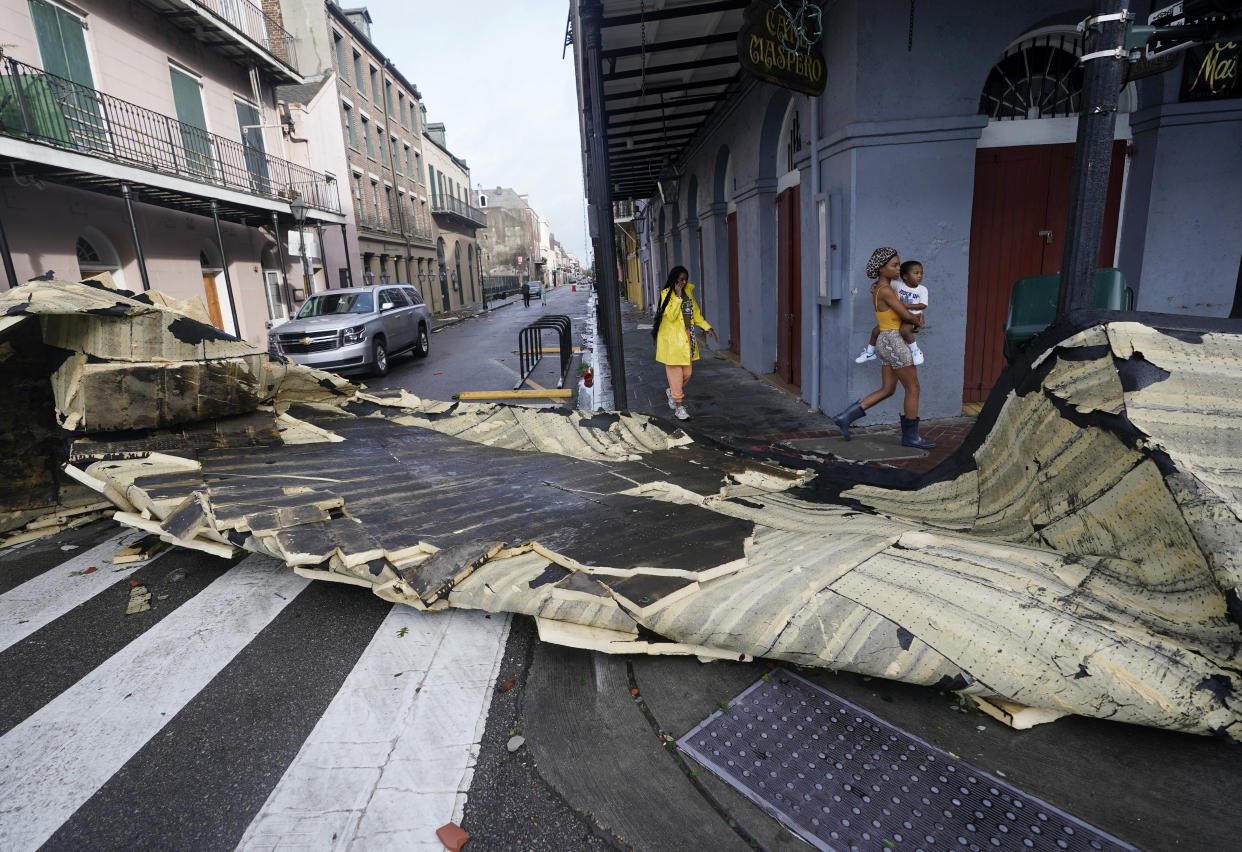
point(284, 270)
point(591, 13)
point(349, 259)
point(306, 273)
point(8, 257)
point(224, 261)
point(1093, 156)
point(133, 229)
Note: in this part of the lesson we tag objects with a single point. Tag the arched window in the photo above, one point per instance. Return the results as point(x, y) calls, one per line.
point(1037, 77)
point(96, 255)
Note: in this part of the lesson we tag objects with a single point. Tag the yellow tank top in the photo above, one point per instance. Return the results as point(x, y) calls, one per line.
point(886, 319)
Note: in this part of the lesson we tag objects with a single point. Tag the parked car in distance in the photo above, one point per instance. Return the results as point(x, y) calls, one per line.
point(535, 287)
point(355, 330)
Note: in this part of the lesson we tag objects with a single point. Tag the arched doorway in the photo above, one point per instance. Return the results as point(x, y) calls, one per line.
point(97, 255)
point(457, 279)
point(445, 304)
point(1023, 170)
point(724, 195)
point(789, 249)
point(214, 293)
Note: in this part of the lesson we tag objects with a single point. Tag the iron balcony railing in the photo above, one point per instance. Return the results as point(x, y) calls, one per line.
point(456, 207)
point(374, 222)
point(46, 108)
point(256, 25)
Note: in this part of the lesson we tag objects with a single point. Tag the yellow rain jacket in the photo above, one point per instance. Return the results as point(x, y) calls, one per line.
point(672, 342)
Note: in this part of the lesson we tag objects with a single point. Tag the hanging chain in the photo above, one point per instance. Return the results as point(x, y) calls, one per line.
point(642, 42)
point(910, 33)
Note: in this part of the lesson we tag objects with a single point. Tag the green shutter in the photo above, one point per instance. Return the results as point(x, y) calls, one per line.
point(195, 141)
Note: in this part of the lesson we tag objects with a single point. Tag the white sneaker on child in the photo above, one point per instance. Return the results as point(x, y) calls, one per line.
point(916, 353)
point(672, 403)
point(868, 354)
point(681, 413)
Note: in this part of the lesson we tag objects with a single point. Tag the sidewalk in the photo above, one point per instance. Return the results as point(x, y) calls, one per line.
point(725, 399)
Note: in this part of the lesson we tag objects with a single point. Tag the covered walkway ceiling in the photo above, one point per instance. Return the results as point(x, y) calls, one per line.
point(667, 64)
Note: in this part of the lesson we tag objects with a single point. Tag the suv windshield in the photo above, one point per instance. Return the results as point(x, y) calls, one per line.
point(336, 303)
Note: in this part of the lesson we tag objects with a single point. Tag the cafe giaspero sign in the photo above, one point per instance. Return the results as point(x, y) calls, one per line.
point(780, 43)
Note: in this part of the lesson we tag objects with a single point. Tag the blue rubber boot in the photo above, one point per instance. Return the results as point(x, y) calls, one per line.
point(910, 435)
point(846, 417)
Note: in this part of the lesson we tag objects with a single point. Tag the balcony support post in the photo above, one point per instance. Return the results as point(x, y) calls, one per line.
point(284, 271)
point(133, 230)
point(349, 258)
point(224, 262)
point(8, 257)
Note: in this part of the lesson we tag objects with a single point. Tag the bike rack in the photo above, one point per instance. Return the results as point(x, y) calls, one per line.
point(530, 346)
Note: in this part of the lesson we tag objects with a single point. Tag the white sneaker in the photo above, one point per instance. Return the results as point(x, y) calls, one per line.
point(672, 403)
point(681, 413)
point(916, 354)
point(868, 354)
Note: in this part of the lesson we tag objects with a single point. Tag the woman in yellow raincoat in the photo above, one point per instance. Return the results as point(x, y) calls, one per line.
point(676, 346)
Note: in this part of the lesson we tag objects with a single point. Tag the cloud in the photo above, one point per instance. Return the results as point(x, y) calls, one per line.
point(492, 72)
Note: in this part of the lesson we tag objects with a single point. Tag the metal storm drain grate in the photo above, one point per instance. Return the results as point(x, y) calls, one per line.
point(844, 779)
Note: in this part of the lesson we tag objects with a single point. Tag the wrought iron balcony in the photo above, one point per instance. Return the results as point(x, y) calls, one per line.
point(45, 108)
point(458, 209)
point(217, 23)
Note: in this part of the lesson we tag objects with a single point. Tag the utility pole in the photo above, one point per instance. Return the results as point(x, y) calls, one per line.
point(1105, 66)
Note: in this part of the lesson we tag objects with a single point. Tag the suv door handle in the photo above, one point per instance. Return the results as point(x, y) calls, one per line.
point(1047, 235)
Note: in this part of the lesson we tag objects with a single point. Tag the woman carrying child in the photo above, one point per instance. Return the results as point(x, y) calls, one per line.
point(885, 266)
point(913, 295)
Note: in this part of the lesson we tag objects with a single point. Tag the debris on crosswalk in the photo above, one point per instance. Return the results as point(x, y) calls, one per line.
point(1079, 555)
point(139, 600)
point(452, 836)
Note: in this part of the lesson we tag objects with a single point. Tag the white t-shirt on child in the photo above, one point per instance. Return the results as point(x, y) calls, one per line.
point(912, 296)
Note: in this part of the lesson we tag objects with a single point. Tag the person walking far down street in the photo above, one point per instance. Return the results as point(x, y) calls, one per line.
point(884, 266)
point(913, 295)
point(676, 345)
point(526, 294)
point(543, 296)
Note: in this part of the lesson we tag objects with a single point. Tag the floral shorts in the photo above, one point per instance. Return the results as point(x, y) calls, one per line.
point(892, 350)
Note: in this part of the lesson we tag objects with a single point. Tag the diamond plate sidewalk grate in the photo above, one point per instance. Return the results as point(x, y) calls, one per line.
point(844, 779)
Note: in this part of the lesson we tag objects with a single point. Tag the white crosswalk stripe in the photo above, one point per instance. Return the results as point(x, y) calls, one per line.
point(392, 757)
point(43, 599)
point(389, 761)
point(54, 760)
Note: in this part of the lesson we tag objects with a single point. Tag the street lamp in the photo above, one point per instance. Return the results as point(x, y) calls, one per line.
point(298, 208)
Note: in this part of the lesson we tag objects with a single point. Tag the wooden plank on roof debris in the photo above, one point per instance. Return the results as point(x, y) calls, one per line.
point(435, 577)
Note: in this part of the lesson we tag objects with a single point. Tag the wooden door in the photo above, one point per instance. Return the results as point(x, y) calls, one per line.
point(213, 300)
point(1018, 221)
point(701, 290)
point(735, 299)
point(789, 287)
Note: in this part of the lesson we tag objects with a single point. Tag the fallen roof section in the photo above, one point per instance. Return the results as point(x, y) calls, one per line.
point(1080, 555)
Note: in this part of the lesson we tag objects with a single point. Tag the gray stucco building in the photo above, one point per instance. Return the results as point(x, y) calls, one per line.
point(944, 130)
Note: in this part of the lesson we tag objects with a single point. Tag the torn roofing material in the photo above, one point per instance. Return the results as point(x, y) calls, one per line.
point(1083, 559)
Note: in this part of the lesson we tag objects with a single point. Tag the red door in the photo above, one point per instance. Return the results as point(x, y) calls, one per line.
point(701, 290)
point(789, 287)
point(1017, 229)
point(735, 299)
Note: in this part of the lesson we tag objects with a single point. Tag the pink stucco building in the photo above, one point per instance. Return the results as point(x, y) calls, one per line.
point(145, 139)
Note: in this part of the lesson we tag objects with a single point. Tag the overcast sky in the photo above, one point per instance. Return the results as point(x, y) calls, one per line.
point(491, 70)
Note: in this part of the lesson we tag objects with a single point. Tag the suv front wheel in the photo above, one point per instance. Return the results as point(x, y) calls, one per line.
point(379, 357)
point(423, 345)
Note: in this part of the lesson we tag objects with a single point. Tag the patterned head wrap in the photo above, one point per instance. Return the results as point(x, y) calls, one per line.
point(879, 258)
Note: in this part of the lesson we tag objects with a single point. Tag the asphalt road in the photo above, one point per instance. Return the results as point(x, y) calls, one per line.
point(481, 353)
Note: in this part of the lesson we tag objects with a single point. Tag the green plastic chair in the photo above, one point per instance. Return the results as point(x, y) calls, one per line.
point(1033, 304)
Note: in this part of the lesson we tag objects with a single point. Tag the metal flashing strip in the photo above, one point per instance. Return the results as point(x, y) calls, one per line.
point(842, 778)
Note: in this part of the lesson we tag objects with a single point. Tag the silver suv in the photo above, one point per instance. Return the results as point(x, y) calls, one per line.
point(355, 330)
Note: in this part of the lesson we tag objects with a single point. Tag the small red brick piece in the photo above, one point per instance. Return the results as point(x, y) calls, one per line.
point(453, 836)
point(507, 685)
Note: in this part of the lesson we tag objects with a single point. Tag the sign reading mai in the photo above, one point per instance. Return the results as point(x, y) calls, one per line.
point(780, 42)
